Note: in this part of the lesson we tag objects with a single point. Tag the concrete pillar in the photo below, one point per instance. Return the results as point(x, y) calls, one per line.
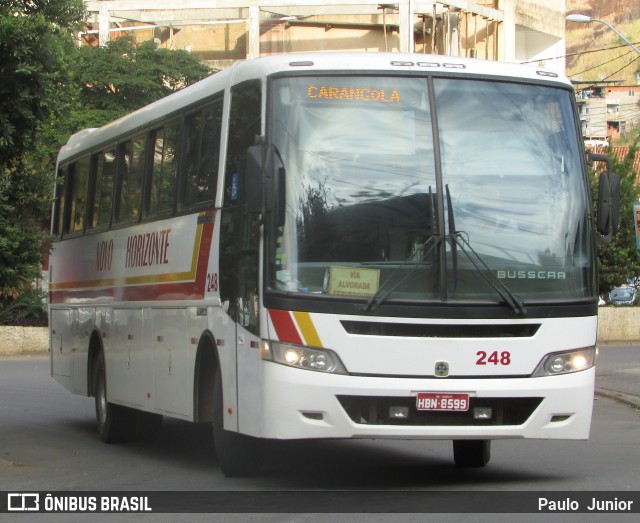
point(405, 22)
point(507, 37)
point(253, 47)
point(104, 25)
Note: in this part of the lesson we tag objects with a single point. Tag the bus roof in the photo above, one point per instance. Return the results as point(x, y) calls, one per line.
point(312, 62)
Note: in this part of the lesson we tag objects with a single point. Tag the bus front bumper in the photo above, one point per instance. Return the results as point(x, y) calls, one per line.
point(300, 404)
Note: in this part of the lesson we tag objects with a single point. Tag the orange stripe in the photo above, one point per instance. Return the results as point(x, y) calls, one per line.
point(308, 329)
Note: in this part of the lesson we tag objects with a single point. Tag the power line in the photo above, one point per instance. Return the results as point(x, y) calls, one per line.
point(578, 53)
point(604, 63)
point(623, 67)
point(596, 82)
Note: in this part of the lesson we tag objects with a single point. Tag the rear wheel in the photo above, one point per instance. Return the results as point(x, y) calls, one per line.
point(471, 453)
point(238, 455)
point(115, 423)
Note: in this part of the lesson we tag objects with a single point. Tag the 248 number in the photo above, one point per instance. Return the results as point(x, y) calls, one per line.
point(494, 358)
point(212, 282)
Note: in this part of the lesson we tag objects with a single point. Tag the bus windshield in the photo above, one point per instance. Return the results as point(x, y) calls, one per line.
point(392, 197)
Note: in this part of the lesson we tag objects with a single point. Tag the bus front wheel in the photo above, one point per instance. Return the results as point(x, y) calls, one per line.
point(115, 423)
point(471, 453)
point(238, 455)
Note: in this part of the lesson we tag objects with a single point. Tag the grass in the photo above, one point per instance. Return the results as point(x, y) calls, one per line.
point(599, 65)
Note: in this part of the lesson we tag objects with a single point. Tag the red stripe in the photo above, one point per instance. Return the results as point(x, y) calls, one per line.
point(285, 328)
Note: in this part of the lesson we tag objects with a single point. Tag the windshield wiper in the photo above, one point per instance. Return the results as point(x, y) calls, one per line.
point(378, 297)
point(459, 239)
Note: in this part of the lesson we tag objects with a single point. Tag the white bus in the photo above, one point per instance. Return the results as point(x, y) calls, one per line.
point(333, 246)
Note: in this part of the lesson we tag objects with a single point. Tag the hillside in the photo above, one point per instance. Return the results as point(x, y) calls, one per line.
point(588, 57)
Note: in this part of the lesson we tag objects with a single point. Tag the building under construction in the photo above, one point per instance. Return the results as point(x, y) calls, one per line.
point(221, 32)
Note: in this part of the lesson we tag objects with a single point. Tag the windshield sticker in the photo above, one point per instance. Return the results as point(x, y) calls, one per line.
point(353, 281)
point(364, 94)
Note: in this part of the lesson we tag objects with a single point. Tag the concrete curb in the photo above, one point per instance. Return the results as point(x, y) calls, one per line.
point(627, 399)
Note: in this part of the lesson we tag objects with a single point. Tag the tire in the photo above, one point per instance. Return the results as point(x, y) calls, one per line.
point(238, 455)
point(115, 423)
point(471, 453)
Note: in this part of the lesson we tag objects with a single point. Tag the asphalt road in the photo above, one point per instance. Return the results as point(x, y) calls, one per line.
point(48, 442)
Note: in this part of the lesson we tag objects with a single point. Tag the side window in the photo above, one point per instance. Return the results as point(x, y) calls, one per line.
point(202, 154)
point(130, 177)
point(164, 175)
point(244, 126)
point(59, 201)
point(78, 190)
point(105, 171)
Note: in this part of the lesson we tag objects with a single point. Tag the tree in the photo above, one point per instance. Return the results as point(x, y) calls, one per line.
point(620, 259)
point(36, 39)
point(50, 89)
point(123, 76)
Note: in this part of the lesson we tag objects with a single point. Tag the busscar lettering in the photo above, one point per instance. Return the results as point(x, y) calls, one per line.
point(149, 249)
point(360, 94)
point(532, 275)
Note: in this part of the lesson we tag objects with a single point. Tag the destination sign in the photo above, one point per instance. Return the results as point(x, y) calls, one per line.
point(360, 94)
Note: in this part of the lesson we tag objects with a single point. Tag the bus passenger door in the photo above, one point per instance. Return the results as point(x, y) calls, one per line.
point(248, 357)
point(239, 248)
point(239, 264)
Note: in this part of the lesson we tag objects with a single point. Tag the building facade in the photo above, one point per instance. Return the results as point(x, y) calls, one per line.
point(608, 110)
point(221, 32)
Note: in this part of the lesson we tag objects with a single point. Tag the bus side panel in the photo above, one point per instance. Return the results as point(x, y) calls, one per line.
point(250, 380)
point(83, 324)
point(173, 375)
point(127, 381)
point(61, 346)
point(224, 330)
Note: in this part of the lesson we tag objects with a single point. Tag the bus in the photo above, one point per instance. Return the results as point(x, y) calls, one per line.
point(334, 245)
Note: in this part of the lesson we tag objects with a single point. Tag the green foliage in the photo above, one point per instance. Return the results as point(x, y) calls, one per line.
point(35, 39)
point(66, 14)
point(22, 241)
point(620, 259)
point(123, 76)
point(27, 309)
point(36, 42)
point(49, 89)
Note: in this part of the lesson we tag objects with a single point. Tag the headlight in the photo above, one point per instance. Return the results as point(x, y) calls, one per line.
point(320, 360)
point(566, 362)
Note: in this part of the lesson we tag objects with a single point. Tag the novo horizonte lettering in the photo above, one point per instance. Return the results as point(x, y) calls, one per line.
point(144, 250)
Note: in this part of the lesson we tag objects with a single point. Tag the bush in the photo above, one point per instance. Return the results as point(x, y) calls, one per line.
point(28, 309)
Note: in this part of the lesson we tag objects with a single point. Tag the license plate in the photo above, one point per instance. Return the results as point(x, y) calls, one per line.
point(442, 401)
